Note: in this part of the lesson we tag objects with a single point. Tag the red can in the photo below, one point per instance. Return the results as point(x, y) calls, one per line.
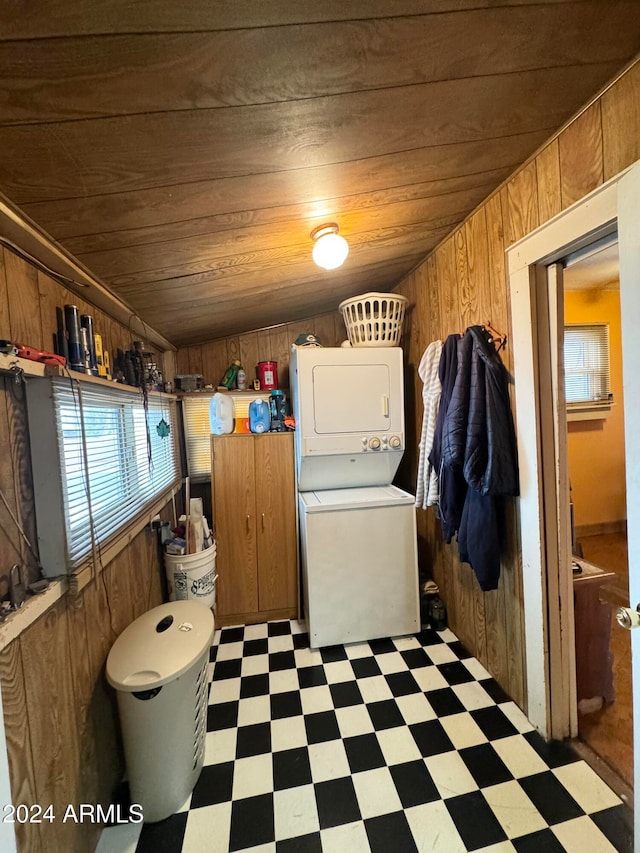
point(268, 375)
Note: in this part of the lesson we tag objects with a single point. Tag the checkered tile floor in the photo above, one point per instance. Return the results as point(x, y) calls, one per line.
point(393, 745)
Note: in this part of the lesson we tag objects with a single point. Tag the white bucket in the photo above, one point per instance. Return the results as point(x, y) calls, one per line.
point(192, 576)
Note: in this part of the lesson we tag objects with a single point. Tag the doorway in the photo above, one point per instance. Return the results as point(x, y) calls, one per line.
point(592, 356)
point(545, 528)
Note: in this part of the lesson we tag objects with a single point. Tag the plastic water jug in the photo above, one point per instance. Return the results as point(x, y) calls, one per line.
point(259, 416)
point(221, 414)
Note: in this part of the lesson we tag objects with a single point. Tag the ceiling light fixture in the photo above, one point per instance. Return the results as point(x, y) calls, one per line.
point(330, 249)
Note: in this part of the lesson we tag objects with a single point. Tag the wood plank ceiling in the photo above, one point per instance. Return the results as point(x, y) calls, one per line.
point(183, 152)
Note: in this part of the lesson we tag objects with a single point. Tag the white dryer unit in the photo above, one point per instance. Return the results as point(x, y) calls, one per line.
point(349, 410)
point(359, 564)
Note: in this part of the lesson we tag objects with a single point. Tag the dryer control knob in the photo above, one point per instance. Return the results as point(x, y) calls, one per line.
point(394, 442)
point(374, 443)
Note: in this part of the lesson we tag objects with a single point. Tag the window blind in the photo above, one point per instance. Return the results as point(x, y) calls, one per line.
point(197, 427)
point(197, 435)
point(586, 365)
point(119, 480)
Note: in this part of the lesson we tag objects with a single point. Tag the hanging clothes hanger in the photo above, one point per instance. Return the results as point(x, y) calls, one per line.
point(496, 338)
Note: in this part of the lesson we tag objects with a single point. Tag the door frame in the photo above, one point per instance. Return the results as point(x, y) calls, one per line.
point(547, 589)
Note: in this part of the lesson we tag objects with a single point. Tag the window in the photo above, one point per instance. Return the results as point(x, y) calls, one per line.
point(126, 469)
point(586, 368)
point(197, 427)
point(197, 435)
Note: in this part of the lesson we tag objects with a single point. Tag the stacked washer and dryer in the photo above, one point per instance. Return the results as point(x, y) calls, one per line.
point(358, 531)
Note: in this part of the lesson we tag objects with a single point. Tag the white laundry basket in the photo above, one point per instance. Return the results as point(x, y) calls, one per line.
point(374, 319)
point(158, 666)
point(192, 576)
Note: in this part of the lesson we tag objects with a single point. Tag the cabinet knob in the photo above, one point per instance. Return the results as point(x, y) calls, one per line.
point(248, 517)
point(263, 521)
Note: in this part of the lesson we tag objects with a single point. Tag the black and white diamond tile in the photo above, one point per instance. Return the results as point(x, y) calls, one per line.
point(398, 745)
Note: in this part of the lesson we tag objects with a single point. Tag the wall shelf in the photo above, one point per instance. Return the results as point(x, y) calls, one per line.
point(34, 607)
point(11, 363)
point(54, 370)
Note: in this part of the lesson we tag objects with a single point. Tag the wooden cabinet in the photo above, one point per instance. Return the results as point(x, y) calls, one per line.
point(254, 517)
point(592, 618)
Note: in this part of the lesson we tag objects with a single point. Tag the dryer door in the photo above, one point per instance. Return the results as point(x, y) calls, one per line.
point(352, 398)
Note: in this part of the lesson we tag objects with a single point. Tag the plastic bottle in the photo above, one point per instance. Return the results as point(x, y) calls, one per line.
point(259, 415)
point(230, 376)
point(221, 414)
point(241, 380)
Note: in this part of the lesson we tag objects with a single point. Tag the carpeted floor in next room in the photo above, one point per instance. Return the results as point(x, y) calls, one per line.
point(393, 745)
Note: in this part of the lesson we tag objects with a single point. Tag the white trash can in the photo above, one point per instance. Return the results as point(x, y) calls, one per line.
point(192, 576)
point(158, 666)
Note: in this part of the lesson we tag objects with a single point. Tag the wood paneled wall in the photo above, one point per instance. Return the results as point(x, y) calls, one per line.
point(28, 301)
point(60, 717)
point(274, 344)
point(464, 281)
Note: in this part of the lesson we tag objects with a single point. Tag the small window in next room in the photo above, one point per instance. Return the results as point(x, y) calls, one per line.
point(586, 368)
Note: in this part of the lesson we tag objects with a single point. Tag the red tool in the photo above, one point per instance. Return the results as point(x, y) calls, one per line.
point(42, 356)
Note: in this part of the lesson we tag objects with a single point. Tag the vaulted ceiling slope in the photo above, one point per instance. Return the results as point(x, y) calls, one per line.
point(184, 151)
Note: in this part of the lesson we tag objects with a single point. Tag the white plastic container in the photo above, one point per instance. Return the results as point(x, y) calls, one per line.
point(221, 414)
point(158, 666)
point(192, 576)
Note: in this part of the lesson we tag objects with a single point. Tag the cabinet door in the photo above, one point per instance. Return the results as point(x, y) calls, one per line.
point(235, 524)
point(277, 532)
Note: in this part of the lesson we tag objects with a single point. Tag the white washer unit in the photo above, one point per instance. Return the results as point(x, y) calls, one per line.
point(358, 532)
point(359, 568)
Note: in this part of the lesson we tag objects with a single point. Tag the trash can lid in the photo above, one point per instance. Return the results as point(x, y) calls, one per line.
point(160, 646)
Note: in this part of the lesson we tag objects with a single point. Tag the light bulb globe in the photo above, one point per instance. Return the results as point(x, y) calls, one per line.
point(330, 250)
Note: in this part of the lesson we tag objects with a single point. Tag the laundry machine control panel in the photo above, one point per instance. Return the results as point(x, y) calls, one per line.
point(375, 442)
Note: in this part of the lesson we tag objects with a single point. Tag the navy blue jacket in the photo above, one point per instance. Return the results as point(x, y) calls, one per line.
point(478, 443)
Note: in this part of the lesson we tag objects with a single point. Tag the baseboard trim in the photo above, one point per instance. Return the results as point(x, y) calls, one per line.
point(255, 617)
point(601, 528)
